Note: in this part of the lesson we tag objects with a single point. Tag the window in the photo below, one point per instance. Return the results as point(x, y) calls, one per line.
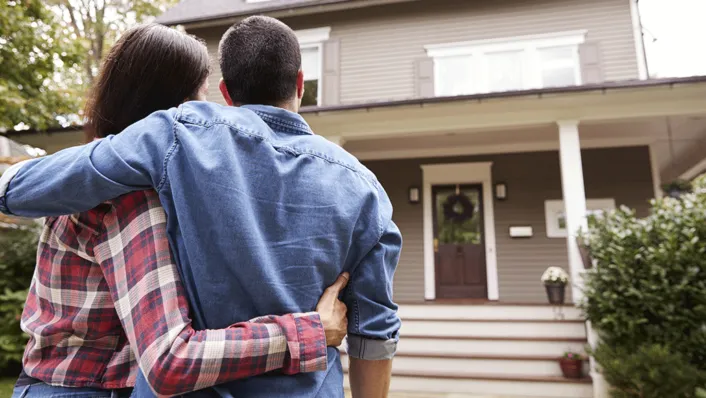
point(495, 65)
point(311, 42)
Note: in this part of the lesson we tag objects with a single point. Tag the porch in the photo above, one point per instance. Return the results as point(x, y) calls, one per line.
point(531, 164)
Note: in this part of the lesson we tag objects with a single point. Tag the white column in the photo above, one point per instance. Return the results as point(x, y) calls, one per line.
point(336, 139)
point(5, 146)
point(574, 198)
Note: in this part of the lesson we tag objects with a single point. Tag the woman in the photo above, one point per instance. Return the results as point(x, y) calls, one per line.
point(106, 300)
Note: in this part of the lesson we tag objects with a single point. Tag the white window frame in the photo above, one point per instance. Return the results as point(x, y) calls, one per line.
point(530, 45)
point(315, 38)
point(554, 209)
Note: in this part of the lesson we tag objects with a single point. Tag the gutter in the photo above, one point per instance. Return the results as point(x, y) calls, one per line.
point(604, 87)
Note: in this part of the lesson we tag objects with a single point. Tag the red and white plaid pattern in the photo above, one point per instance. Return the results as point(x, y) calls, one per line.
point(106, 291)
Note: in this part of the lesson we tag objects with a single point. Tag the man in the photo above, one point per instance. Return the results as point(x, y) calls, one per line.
point(263, 213)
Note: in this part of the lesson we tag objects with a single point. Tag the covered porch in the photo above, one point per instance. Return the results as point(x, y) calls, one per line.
point(533, 164)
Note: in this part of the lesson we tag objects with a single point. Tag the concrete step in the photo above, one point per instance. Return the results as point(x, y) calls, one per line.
point(478, 346)
point(465, 386)
point(489, 311)
point(494, 328)
point(488, 365)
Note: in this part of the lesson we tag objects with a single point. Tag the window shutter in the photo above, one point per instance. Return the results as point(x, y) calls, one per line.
point(591, 68)
point(424, 77)
point(331, 76)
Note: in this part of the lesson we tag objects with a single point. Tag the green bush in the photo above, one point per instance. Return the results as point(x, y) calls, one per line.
point(650, 372)
point(18, 250)
point(648, 290)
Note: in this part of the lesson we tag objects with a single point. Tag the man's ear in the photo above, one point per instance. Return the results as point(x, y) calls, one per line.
point(300, 84)
point(224, 92)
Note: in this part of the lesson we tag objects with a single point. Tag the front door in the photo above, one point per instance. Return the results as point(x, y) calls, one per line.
point(459, 246)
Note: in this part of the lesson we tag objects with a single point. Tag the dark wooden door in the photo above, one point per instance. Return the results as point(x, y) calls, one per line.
point(459, 244)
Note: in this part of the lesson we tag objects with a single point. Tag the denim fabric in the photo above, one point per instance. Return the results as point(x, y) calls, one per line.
point(262, 216)
point(42, 390)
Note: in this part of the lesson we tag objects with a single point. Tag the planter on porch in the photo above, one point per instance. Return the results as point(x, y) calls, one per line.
point(572, 365)
point(585, 253)
point(555, 280)
point(556, 293)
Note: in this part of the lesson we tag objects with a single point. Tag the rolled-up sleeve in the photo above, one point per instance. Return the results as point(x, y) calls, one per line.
point(373, 324)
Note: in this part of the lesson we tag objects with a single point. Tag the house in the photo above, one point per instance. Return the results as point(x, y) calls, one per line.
point(494, 126)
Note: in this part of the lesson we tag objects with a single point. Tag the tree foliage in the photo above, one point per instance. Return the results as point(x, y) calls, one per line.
point(98, 23)
point(33, 49)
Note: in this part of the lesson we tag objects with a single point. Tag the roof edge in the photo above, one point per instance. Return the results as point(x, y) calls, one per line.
point(616, 85)
point(277, 11)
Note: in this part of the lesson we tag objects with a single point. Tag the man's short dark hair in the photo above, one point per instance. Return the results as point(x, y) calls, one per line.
point(260, 59)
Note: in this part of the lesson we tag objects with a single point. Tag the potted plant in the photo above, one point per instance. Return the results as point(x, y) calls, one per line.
point(571, 364)
point(677, 188)
point(555, 280)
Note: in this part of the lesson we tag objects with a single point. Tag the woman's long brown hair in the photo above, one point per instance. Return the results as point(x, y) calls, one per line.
point(150, 68)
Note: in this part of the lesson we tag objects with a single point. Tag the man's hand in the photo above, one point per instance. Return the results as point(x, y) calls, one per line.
point(333, 312)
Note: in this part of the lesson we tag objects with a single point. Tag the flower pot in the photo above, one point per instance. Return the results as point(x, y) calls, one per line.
point(571, 368)
point(555, 293)
point(585, 254)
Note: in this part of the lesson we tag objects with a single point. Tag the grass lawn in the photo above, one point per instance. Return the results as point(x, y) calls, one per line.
point(6, 386)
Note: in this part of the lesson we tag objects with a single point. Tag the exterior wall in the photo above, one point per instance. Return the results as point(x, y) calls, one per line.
point(381, 46)
point(531, 178)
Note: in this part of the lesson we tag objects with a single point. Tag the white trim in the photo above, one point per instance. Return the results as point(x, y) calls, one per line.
point(475, 56)
point(554, 208)
point(656, 174)
point(320, 50)
point(694, 171)
point(639, 40)
point(313, 36)
point(539, 146)
point(459, 173)
point(574, 194)
point(555, 39)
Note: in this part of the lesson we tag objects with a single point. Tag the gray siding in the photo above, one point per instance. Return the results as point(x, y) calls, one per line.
point(380, 46)
point(531, 178)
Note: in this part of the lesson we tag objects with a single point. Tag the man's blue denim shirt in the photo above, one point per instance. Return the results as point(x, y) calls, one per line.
point(262, 216)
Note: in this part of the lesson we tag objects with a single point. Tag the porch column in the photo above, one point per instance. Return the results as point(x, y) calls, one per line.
point(574, 198)
point(336, 139)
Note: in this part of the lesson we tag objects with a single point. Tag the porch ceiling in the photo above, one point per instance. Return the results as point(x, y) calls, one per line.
point(484, 113)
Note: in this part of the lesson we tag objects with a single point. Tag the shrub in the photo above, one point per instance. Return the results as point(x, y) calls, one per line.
point(648, 289)
point(652, 371)
point(18, 250)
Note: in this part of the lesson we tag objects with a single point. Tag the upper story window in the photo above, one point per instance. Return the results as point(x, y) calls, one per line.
point(311, 43)
point(518, 63)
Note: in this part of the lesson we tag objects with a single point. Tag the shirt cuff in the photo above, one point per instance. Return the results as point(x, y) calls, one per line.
point(371, 349)
point(308, 351)
point(5, 180)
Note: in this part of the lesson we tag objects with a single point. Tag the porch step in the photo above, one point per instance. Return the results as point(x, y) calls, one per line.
point(475, 365)
point(467, 386)
point(479, 346)
point(494, 328)
point(487, 351)
point(489, 311)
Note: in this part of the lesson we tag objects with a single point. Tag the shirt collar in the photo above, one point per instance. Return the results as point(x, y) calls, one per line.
point(281, 118)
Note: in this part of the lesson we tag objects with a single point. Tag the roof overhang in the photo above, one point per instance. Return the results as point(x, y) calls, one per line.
point(605, 102)
point(277, 11)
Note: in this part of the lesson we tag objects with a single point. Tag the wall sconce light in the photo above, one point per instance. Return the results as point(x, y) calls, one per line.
point(414, 195)
point(500, 191)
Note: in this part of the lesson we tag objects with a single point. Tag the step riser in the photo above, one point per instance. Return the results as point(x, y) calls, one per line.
point(500, 312)
point(487, 347)
point(491, 367)
point(489, 387)
point(494, 329)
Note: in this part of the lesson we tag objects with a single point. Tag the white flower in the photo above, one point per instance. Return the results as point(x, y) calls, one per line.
point(555, 275)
